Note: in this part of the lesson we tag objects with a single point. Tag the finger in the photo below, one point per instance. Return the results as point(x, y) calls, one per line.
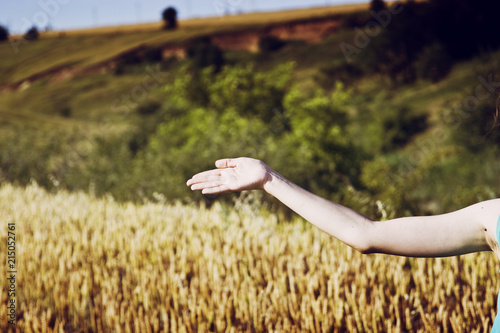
point(225, 163)
point(216, 190)
point(205, 185)
point(207, 181)
point(203, 176)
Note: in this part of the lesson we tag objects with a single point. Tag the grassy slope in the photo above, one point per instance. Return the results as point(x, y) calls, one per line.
point(83, 48)
point(92, 97)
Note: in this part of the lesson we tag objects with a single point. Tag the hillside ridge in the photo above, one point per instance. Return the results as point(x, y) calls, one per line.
point(245, 36)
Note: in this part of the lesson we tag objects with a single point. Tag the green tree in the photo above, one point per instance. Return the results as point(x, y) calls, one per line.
point(169, 16)
point(4, 33)
point(377, 5)
point(205, 135)
point(318, 142)
point(258, 93)
point(32, 33)
point(434, 63)
point(203, 53)
point(395, 50)
point(270, 44)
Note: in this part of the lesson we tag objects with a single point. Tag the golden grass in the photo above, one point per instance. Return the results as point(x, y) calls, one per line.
point(87, 264)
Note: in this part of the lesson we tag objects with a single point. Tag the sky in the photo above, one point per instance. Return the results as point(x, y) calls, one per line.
point(19, 15)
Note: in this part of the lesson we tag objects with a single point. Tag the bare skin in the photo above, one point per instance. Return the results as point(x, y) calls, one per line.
point(471, 229)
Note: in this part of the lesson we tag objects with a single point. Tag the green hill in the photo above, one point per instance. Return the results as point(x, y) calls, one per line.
point(79, 50)
point(81, 110)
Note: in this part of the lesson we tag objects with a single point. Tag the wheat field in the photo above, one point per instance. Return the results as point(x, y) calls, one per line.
point(93, 265)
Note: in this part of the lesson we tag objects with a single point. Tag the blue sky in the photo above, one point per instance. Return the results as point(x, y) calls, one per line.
point(19, 15)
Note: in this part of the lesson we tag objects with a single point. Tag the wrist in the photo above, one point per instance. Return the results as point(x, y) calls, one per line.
point(272, 177)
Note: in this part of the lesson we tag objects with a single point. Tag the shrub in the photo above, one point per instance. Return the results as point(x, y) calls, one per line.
point(434, 63)
point(317, 142)
point(394, 51)
point(119, 69)
point(203, 53)
point(153, 54)
point(4, 34)
point(31, 34)
point(377, 5)
point(354, 20)
point(196, 138)
point(65, 112)
point(400, 128)
point(270, 44)
point(148, 108)
point(473, 127)
point(106, 166)
point(130, 58)
point(465, 27)
point(203, 57)
point(169, 16)
point(27, 154)
point(347, 73)
point(258, 93)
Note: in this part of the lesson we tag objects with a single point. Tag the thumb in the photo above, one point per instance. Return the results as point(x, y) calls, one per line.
point(225, 163)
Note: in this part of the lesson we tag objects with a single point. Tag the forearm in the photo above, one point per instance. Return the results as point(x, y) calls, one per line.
point(340, 222)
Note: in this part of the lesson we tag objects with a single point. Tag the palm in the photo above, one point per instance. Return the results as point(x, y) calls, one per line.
point(231, 175)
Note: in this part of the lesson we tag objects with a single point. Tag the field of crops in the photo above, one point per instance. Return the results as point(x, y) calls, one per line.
point(94, 265)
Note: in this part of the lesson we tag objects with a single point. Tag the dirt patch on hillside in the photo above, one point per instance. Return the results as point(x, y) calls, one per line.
point(242, 40)
point(310, 30)
point(173, 51)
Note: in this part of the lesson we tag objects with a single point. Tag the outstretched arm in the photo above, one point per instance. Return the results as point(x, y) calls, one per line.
point(471, 229)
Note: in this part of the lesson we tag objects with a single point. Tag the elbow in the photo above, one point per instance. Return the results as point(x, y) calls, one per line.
point(364, 243)
point(364, 248)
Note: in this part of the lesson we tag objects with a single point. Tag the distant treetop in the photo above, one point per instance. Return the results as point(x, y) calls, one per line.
point(31, 34)
point(170, 18)
point(377, 5)
point(4, 33)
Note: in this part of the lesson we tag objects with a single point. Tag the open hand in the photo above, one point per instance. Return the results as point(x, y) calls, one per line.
point(231, 175)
